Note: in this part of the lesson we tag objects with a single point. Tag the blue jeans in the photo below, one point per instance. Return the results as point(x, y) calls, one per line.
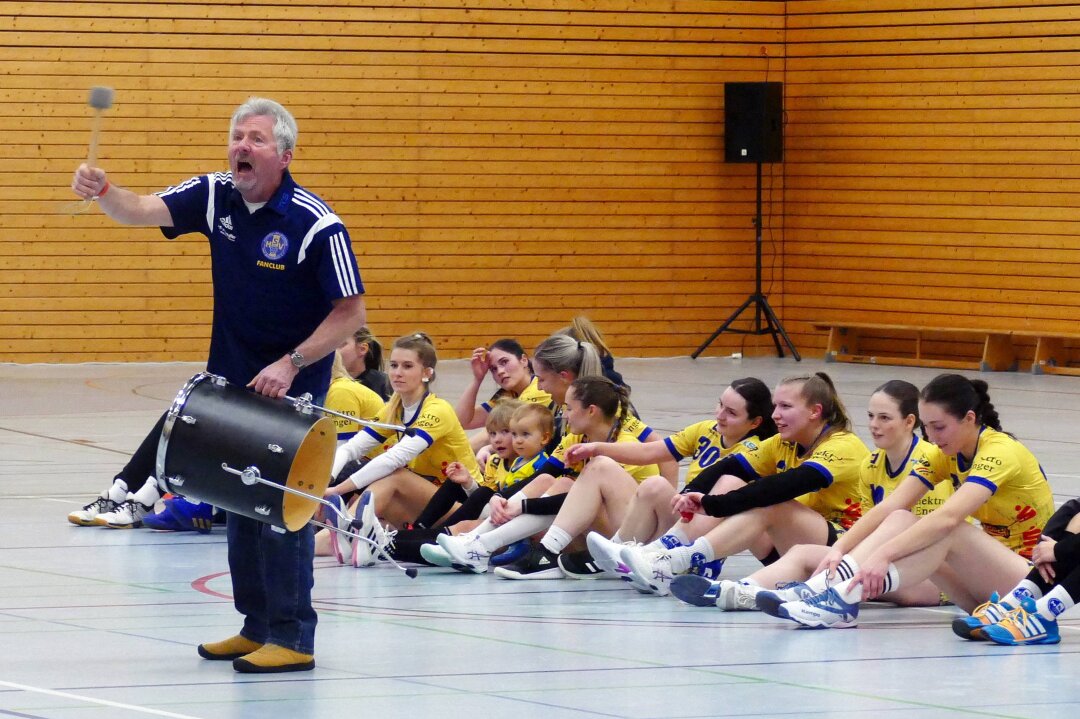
point(272, 577)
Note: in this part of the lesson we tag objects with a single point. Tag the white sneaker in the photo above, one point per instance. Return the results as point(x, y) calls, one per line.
point(435, 554)
point(606, 555)
point(85, 517)
point(365, 554)
point(128, 515)
point(737, 596)
point(341, 542)
point(466, 552)
point(651, 567)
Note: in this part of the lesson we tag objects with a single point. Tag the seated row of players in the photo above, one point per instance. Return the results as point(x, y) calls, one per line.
point(780, 475)
point(795, 489)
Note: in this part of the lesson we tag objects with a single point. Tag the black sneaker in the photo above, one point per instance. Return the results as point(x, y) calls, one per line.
point(581, 565)
point(539, 563)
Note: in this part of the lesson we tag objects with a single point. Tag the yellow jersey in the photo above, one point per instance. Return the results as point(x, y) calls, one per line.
point(531, 394)
point(1020, 502)
point(354, 399)
point(880, 479)
point(500, 474)
point(838, 457)
point(639, 473)
point(437, 424)
point(703, 443)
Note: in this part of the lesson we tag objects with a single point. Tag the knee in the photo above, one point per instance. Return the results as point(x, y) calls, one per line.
point(900, 518)
point(655, 489)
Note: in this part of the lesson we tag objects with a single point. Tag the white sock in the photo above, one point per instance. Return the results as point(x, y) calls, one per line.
point(482, 528)
point(556, 539)
point(676, 533)
point(1025, 589)
point(148, 493)
point(682, 557)
point(1057, 601)
point(853, 593)
point(117, 492)
point(521, 526)
point(820, 581)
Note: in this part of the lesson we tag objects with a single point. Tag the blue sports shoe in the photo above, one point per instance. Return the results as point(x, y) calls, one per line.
point(821, 611)
point(987, 613)
point(695, 589)
point(1022, 626)
point(199, 517)
point(709, 570)
point(163, 521)
point(511, 554)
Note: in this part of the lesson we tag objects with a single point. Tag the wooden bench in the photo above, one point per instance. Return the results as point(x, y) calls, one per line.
point(998, 352)
point(1051, 354)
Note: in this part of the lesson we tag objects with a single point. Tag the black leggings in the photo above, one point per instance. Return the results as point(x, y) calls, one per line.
point(143, 463)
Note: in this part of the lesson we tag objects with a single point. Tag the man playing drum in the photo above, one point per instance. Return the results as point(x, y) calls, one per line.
point(287, 292)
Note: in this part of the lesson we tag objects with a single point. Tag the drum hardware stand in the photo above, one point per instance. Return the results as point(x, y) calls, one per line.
point(252, 475)
point(304, 405)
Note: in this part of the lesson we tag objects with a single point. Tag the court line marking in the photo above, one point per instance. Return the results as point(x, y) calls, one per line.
point(91, 700)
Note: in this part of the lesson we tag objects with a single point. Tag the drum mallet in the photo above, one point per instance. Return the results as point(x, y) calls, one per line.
point(101, 99)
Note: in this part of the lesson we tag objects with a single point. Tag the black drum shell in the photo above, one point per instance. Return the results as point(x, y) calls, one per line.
point(213, 422)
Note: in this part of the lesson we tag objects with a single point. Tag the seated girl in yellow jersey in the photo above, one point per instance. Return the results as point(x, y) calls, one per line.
point(350, 397)
point(509, 366)
point(404, 476)
point(995, 479)
point(742, 421)
point(799, 486)
point(363, 358)
point(459, 503)
point(557, 362)
point(893, 414)
point(595, 408)
point(1029, 613)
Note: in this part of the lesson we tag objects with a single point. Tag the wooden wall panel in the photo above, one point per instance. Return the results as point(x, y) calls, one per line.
point(932, 158)
point(501, 166)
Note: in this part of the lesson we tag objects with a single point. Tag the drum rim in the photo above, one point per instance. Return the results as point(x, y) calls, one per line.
point(172, 415)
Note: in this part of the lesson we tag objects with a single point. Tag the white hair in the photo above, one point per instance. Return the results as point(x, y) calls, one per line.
point(284, 123)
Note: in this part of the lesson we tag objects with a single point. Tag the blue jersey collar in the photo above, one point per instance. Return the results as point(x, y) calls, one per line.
point(278, 202)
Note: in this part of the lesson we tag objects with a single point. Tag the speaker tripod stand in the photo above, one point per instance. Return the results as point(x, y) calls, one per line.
point(762, 310)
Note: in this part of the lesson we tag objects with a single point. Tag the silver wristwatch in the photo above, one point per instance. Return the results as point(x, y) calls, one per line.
point(297, 360)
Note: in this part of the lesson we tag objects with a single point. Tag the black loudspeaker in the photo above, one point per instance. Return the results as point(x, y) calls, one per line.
point(753, 122)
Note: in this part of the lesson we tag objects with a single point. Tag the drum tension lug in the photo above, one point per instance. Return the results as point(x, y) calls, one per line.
point(275, 448)
point(188, 419)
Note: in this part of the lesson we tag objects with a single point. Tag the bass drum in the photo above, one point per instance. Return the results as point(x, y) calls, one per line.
point(215, 432)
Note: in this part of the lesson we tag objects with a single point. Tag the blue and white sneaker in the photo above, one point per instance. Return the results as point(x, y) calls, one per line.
point(695, 589)
point(1023, 626)
point(366, 524)
point(769, 601)
point(709, 570)
point(340, 544)
point(822, 611)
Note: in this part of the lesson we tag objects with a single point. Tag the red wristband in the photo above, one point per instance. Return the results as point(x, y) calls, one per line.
point(104, 189)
